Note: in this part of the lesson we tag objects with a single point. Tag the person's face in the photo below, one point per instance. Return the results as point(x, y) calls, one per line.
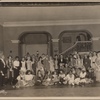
point(54, 73)
point(70, 73)
point(94, 53)
point(28, 58)
point(75, 52)
point(98, 54)
point(17, 59)
point(85, 56)
point(61, 72)
point(23, 59)
point(40, 59)
point(61, 56)
point(29, 73)
point(10, 58)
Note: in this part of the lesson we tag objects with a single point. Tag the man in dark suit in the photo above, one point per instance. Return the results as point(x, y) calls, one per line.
point(61, 63)
point(2, 69)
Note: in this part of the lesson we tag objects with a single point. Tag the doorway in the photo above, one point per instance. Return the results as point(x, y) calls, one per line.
point(31, 42)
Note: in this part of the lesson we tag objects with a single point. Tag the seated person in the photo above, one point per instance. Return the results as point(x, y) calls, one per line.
point(21, 80)
point(77, 76)
point(91, 76)
point(39, 78)
point(29, 78)
point(69, 78)
point(54, 78)
point(61, 76)
point(47, 79)
point(83, 76)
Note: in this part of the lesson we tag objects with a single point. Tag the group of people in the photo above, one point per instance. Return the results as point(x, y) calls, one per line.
point(30, 70)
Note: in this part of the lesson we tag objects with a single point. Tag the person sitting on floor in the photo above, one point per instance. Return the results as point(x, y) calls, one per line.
point(83, 77)
point(47, 79)
point(29, 78)
point(69, 78)
point(61, 77)
point(20, 80)
point(39, 78)
point(54, 78)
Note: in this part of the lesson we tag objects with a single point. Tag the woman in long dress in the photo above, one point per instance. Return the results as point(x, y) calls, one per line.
point(23, 65)
point(10, 71)
point(40, 66)
point(34, 63)
point(51, 62)
point(97, 70)
point(29, 63)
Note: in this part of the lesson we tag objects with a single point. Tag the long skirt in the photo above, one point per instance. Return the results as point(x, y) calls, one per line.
point(97, 73)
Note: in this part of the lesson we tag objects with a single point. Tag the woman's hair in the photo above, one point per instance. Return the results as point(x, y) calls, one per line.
point(9, 56)
point(28, 72)
point(16, 57)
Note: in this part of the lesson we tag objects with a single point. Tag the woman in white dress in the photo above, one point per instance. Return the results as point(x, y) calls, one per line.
point(29, 63)
point(97, 70)
point(23, 65)
point(51, 62)
point(79, 62)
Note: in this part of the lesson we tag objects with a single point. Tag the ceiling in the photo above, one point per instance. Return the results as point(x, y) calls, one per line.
point(24, 14)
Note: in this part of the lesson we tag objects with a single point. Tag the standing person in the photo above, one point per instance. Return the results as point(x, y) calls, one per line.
point(34, 64)
point(46, 62)
point(61, 62)
point(2, 71)
point(56, 63)
point(79, 62)
point(40, 66)
point(10, 69)
point(16, 69)
point(86, 62)
point(51, 62)
point(29, 63)
point(23, 65)
point(93, 59)
point(97, 69)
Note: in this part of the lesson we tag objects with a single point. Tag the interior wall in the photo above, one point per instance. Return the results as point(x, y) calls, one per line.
point(12, 33)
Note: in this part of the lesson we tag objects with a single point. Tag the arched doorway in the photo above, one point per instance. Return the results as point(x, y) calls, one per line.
point(31, 42)
point(69, 37)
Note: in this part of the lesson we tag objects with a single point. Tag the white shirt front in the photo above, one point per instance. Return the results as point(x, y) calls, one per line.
point(16, 63)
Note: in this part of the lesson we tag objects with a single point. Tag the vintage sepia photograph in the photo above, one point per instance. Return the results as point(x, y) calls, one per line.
point(50, 49)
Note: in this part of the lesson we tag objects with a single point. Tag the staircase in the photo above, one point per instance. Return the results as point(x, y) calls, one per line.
point(79, 46)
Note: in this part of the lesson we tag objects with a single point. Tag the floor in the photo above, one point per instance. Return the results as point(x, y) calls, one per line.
point(91, 90)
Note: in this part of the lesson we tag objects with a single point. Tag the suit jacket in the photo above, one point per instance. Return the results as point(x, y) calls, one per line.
point(2, 67)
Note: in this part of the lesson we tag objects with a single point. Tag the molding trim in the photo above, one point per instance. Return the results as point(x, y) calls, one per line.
point(51, 23)
point(5, 3)
point(96, 38)
point(15, 41)
point(55, 40)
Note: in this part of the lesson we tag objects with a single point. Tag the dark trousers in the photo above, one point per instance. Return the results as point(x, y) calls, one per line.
point(16, 73)
point(1, 81)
